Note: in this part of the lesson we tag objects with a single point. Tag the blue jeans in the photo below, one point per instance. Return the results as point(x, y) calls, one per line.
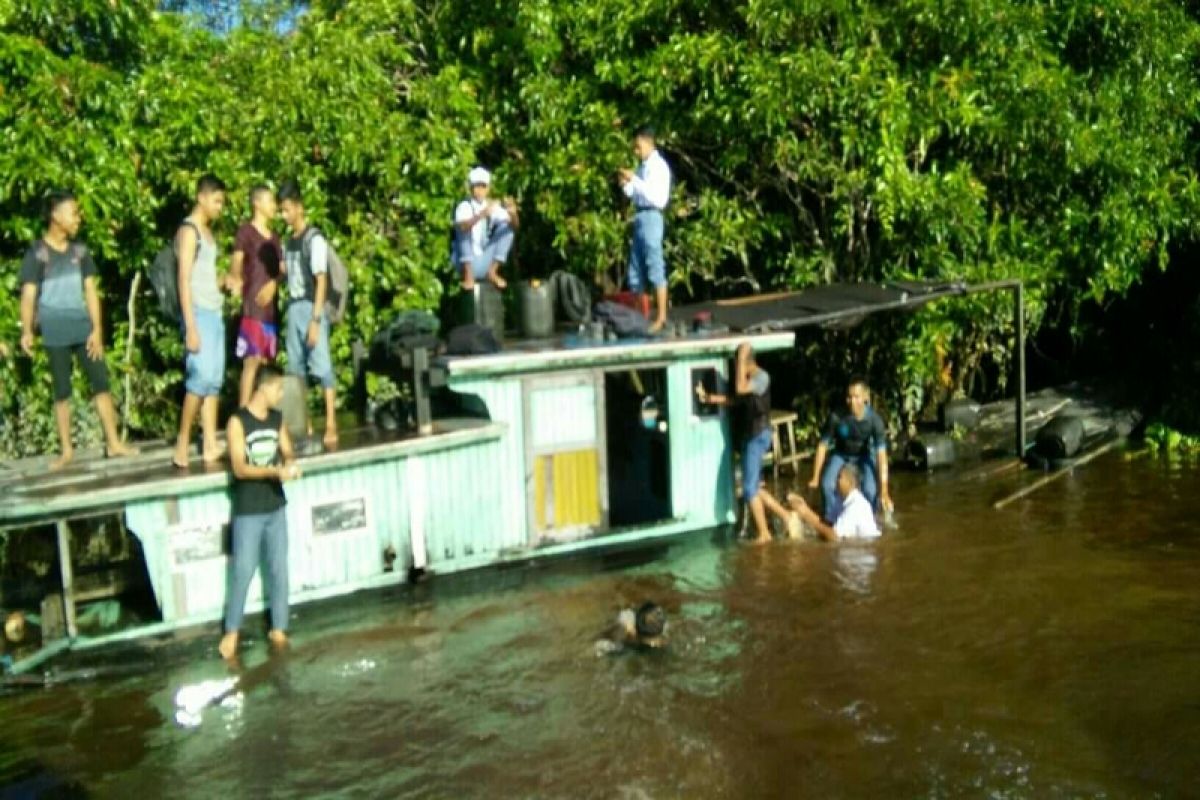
point(303, 359)
point(496, 250)
point(205, 371)
point(869, 484)
point(251, 534)
point(752, 462)
point(646, 264)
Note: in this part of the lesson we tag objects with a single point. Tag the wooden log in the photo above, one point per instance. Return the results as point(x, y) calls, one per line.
point(1053, 476)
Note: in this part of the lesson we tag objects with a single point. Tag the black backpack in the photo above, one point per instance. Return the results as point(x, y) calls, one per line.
point(471, 340)
point(625, 322)
point(164, 276)
point(407, 331)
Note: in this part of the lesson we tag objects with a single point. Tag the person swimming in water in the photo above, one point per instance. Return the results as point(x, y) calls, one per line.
point(643, 629)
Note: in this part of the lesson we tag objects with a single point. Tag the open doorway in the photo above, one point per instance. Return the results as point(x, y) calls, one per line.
point(639, 453)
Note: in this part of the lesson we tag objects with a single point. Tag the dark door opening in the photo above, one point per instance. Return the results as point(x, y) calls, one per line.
point(639, 451)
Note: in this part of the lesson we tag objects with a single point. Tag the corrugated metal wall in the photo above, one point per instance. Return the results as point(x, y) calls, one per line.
point(513, 475)
point(448, 498)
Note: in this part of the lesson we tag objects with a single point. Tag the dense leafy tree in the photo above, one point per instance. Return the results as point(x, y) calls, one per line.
point(811, 141)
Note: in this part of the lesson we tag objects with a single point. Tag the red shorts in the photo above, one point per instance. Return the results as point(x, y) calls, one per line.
point(257, 339)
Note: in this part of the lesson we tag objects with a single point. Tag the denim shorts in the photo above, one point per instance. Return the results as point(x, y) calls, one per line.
point(753, 451)
point(302, 359)
point(205, 371)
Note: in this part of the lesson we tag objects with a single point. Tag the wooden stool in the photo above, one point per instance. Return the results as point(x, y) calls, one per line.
point(784, 421)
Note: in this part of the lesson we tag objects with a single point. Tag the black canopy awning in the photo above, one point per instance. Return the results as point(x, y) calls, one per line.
point(835, 305)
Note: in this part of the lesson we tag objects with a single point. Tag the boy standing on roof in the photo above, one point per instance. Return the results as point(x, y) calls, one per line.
point(859, 437)
point(752, 386)
point(306, 255)
point(484, 232)
point(257, 262)
point(649, 189)
point(58, 291)
point(200, 303)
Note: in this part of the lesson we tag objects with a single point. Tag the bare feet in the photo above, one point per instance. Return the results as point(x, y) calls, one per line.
point(658, 325)
point(277, 638)
point(794, 530)
point(120, 450)
point(228, 645)
point(213, 453)
point(330, 440)
point(760, 540)
point(496, 280)
point(62, 460)
point(468, 283)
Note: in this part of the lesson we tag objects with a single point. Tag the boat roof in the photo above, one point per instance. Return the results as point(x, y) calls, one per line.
point(92, 485)
point(575, 352)
point(833, 305)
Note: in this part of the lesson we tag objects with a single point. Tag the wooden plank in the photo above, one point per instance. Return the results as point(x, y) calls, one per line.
point(68, 576)
point(1043, 481)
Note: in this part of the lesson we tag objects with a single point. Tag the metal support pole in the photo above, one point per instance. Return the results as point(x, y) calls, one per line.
point(1019, 364)
point(68, 576)
point(420, 388)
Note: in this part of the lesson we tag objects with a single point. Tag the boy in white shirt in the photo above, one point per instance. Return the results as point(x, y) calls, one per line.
point(484, 231)
point(855, 520)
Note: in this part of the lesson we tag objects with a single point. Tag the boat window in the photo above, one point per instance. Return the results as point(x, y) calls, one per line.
point(708, 378)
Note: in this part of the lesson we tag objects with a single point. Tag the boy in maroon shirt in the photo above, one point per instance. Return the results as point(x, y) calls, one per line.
point(258, 263)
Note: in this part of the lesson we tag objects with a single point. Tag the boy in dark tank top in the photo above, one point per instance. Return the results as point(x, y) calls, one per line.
point(262, 458)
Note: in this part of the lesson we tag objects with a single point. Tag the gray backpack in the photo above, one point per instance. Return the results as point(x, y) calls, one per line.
point(337, 292)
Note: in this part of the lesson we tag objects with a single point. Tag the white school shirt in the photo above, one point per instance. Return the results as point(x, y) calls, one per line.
point(467, 209)
point(650, 186)
point(857, 519)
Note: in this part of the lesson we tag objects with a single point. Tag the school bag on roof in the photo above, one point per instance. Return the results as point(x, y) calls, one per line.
point(625, 322)
point(337, 289)
point(164, 276)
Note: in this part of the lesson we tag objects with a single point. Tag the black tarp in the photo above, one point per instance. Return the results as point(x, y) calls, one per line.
point(832, 305)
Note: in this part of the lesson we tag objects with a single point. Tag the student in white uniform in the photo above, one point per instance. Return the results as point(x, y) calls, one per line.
point(649, 190)
point(855, 520)
point(484, 231)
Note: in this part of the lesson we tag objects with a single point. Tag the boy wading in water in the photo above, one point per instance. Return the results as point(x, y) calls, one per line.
point(58, 292)
point(261, 455)
point(752, 393)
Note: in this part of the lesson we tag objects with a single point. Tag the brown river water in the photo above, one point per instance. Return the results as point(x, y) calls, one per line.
point(1051, 649)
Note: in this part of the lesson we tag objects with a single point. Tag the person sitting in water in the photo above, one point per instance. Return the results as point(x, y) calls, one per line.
point(856, 437)
point(752, 386)
point(483, 233)
point(643, 629)
point(855, 520)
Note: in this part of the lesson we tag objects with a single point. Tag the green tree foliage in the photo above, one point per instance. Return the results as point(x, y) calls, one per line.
point(855, 140)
